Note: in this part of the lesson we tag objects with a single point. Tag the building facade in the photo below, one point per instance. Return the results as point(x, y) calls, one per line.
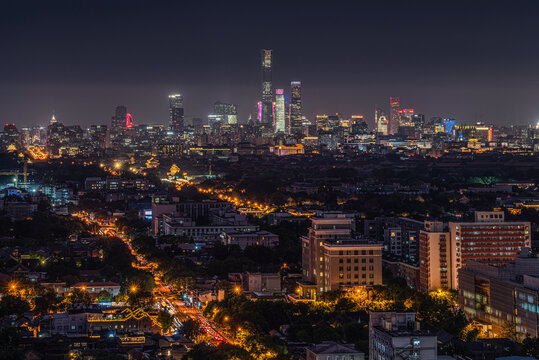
point(119, 118)
point(333, 259)
point(394, 335)
point(502, 298)
point(394, 105)
point(175, 110)
point(434, 267)
point(280, 125)
point(266, 119)
point(489, 240)
point(295, 107)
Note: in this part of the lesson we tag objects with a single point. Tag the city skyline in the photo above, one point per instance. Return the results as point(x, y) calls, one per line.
point(476, 71)
point(282, 180)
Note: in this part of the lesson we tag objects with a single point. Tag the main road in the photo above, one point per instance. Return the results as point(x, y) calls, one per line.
point(166, 296)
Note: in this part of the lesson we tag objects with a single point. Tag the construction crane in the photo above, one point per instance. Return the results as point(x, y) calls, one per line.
point(17, 174)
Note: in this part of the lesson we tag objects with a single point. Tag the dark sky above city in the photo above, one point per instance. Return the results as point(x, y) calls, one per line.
point(470, 60)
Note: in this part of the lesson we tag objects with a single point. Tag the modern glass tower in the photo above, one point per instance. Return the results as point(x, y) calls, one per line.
point(228, 112)
point(266, 116)
point(279, 111)
point(175, 109)
point(119, 118)
point(295, 107)
point(394, 116)
point(380, 120)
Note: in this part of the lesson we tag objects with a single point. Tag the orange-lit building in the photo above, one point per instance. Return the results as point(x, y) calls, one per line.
point(282, 150)
point(489, 240)
point(333, 259)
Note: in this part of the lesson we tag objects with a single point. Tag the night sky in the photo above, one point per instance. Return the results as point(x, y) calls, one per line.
point(471, 60)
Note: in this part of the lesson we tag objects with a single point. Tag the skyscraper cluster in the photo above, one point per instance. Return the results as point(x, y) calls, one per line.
point(272, 113)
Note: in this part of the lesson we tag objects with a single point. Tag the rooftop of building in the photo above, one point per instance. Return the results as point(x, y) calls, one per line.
point(352, 242)
point(95, 284)
point(330, 347)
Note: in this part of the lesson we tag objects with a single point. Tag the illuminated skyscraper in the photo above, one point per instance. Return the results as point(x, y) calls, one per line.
point(295, 107)
point(266, 118)
point(380, 120)
point(279, 111)
point(394, 115)
point(449, 124)
point(175, 110)
point(228, 112)
point(322, 123)
point(118, 120)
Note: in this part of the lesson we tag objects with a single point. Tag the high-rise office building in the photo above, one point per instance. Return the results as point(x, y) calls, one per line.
point(266, 116)
point(449, 124)
point(280, 125)
point(175, 110)
point(489, 240)
point(227, 112)
point(322, 122)
point(119, 119)
point(419, 122)
point(394, 120)
point(380, 120)
point(295, 107)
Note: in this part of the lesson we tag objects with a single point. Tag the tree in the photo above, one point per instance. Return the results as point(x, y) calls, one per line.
point(164, 319)
point(79, 296)
point(104, 296)
point(46, 302)
point(122, 298)
point(471, 332)
point(12, 304)
point(508, 331)
point(530, 347)
point(191, 329)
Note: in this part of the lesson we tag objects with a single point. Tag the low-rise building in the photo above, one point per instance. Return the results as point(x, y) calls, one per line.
point(261, 282)
point(408, 272)
point(94, 288)
point(251, 238)
point(397, 335)
point(330, 350)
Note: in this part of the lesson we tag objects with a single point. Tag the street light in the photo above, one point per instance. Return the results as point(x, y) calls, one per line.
point(133, 289)
point(237, 289)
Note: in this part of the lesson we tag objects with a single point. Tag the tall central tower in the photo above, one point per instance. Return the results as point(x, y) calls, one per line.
point(266, 117)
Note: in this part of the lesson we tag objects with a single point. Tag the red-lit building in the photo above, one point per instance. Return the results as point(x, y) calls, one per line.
point(489, 240)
